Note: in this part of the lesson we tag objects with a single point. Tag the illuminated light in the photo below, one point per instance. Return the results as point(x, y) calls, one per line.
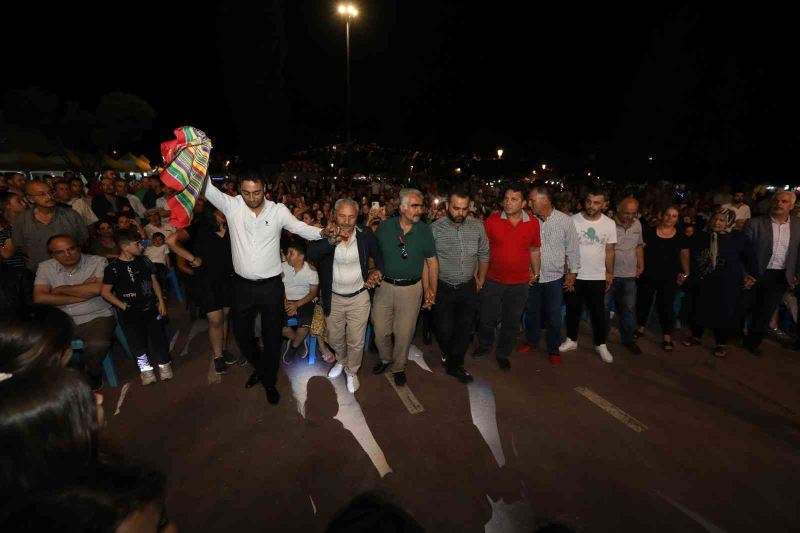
point(588, 173)
point(331, 165)
point(544, 167)
point(534, 172)
point(436, 201)
point(458, 170)
point(650, 158)
point(499, 153)
point(785, 187)
point(342, 9)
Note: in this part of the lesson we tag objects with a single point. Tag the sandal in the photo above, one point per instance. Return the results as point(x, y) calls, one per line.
point(691, 341)
point(667, 345)
point(720, 351)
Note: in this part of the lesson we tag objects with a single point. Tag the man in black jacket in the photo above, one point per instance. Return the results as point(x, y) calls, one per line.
point(343, 263)
point(108, 206)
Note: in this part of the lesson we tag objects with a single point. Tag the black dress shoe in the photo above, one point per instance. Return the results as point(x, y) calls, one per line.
point(400, 378)
point(380, 368)
point(504, 364)
point(462, 375)
point(273, 396)
point(253, 380)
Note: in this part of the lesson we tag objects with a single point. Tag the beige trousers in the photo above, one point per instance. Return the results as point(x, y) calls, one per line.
point(345, 329)
point(395, 311)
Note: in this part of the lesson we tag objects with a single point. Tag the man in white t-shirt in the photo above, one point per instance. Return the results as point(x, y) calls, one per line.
point(741, 209)
point(301, 284)
point(157, 225)
point(597, 235)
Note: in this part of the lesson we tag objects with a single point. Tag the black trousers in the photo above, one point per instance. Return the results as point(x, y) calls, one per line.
point(96, 336)
point(593, 294)
point(145, 334)
point(721, 335)
point(454, 316)
point(765, 296)
point(664, 293)
point(249, 299)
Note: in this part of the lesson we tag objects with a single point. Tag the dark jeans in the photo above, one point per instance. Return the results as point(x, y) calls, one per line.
point(504, 303)
point(145, 334)
point(664, 293)
point(592, 293)
point(249, 299)
point(765, 298)
point(96, 336)
point(453, 315)
point(623, 291)
point(544, 301)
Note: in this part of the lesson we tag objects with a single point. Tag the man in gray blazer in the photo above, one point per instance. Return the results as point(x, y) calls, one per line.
point(777, 238)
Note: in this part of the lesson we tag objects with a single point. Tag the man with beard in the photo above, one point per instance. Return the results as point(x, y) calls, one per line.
point(345, 276)
point(255, 225)
point(463, 252)
point(108, 206)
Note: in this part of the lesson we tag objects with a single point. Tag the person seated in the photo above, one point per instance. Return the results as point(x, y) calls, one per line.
point(156, 225)
point(301, 284)
point(73, 281)
point(158, 253)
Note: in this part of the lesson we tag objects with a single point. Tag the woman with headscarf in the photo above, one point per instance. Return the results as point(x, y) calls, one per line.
point(722, 264)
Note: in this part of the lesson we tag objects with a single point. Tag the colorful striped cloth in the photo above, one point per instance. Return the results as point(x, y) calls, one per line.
point(186, 163)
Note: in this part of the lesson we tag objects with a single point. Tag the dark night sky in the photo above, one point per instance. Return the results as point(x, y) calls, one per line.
point(706, 92)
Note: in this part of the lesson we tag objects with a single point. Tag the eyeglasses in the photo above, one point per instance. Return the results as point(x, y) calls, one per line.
point(47, 193)
point(402, 245)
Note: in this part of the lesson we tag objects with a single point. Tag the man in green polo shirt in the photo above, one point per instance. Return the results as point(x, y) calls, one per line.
point(411, 271)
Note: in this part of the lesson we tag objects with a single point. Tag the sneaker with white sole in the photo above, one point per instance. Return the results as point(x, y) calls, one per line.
point(568, 345)
point(335, 371)
point(148, 377)
point(165, 372)
point(604, 354)
point(352, 383)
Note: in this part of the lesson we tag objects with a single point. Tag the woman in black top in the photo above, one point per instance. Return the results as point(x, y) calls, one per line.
point(666, 267)
point(213, 272)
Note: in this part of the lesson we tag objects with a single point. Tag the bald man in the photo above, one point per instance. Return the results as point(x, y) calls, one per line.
point(776, 238)
point(628, 265)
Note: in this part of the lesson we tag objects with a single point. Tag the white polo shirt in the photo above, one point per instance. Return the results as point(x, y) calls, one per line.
point(347, 277)
point(298, 284)
point(255, 240)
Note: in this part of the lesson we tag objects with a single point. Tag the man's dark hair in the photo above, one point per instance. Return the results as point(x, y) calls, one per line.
point(76, 179)
point(514, 187)
point(255, 179)
point(372, 512)
point(159, 234)
point(597, 191)
point(458, 193)
point(299, 246)
point(59, 236)
point(124, 236)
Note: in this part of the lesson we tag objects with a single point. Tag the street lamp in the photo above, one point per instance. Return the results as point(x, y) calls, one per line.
point(499, 153)
point(349, 12)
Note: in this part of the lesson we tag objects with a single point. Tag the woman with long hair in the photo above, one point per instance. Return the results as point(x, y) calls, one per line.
point(40, 340)
point(666, 260)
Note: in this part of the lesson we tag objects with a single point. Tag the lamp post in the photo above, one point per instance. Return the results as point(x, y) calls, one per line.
point(349, 12)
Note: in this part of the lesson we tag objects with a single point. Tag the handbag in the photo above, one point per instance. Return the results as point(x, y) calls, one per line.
point(318, 321)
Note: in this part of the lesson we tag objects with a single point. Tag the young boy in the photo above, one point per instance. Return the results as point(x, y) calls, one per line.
point(158, 253)
point(301, 284)
point(130, 284)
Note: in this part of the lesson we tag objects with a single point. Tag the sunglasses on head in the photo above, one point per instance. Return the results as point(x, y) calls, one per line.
point(402, 246)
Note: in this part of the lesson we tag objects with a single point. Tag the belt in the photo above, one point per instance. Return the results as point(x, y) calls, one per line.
point(401, 282)
point(258, 281)
point(457, 286)
point(359, 291)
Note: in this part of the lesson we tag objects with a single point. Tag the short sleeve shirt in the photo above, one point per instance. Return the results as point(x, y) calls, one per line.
point(625, 250)
point(52, 274)
point(298, 284)
point(132, 282)
point(593, 236)
point(417, 243)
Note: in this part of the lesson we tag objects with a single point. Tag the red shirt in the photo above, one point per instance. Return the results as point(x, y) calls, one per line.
point(510, 247)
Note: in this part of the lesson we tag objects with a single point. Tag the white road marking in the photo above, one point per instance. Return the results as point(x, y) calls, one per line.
point(122, 394)
point(713, 528)
point(174, 340)
point(406, 396)
point(611, 409)
point(484, 416)
point(313, 506)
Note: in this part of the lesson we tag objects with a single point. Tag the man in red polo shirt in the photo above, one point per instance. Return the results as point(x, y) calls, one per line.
point(513, 266)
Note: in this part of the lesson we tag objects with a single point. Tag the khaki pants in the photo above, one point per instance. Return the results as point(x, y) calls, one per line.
point(395, 311)
point(345, 329)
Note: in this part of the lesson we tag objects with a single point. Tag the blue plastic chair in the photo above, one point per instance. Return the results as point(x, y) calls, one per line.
point(172, 279)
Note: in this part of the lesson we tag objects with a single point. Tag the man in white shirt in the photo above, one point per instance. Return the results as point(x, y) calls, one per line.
point(301, 284)
point(597, 235)
point(344, 269)
point(255, 226)
point(80, 203)
point(156, 225)
point(741, 209)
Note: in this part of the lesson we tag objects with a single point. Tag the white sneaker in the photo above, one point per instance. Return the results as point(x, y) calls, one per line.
point(352, 383)
point(604, 354)
point(148, 377)
point(568, 345)
point(165, 372)
point(335, 371)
